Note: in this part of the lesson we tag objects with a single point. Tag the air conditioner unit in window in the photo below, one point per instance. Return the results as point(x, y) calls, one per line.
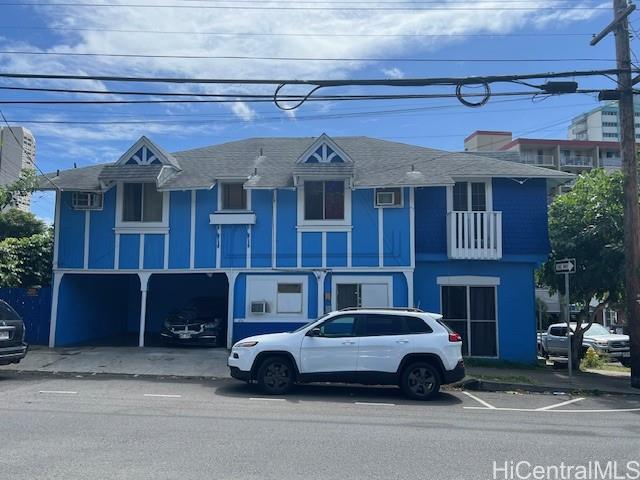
point(260, 307)
point(385, 199)
point(87, 200)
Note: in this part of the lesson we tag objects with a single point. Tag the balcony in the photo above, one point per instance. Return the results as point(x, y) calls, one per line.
point(539, 160)
point(474, 235)
point(577, 161)
point(612, 162)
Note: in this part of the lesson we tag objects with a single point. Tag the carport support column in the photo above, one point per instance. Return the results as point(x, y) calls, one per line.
point(57, 278)
point(144, 286)
point(231, 277)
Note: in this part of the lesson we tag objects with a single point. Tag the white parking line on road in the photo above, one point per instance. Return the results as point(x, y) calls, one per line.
point(376, 404)
point(480, 401)
point(568, 402)
point(58, 392)
point(268, 399)
point(162, 395)
point(501, 409)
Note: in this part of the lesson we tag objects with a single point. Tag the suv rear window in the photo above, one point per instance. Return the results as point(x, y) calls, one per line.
point(7, 313)
point(378, 325)
point(416, 325)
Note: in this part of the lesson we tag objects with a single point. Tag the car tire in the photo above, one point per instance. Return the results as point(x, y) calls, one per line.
point(626, 362)
point(275, 376)
point(420, 381)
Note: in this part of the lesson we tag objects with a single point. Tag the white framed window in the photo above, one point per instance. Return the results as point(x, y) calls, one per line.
point(389, 198)
point(324, 202)
point(233, 196)
point(361, 291)
point(141, 207)
point(87, 200)
point(471, 311)
point(284, 297)
point(471, 196)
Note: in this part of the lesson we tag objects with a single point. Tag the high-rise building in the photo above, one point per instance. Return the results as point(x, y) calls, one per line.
point(601, 124)
point(17, 152)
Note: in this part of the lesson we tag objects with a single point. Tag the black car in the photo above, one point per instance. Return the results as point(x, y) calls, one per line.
point(200, 322)
point(12, 346)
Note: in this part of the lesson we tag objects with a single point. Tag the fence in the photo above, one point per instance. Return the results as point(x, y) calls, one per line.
point(34, 306)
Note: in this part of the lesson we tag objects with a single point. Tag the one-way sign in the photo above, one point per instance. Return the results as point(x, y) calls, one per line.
point(566, 265)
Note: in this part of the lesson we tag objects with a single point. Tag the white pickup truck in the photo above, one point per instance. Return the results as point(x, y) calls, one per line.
point(554, 342)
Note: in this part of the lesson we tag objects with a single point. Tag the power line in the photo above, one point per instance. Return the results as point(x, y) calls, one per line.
point(291, 8)
point(298, 34)
point(305, 59)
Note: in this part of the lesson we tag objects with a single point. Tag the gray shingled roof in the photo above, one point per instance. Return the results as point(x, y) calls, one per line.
point(376, 163)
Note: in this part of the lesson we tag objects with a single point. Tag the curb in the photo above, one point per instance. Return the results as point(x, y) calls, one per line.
point(478, 385)
point(106, 375)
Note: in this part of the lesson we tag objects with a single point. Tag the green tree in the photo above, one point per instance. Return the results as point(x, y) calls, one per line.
point(27, 261)
point(587, 224)
point(24, 185)
point(15, 223)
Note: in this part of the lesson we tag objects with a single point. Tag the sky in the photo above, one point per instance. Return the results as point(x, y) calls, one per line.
point(362, 39)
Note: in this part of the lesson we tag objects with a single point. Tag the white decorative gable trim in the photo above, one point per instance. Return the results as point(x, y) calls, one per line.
point(324, 150)
point(145, 152)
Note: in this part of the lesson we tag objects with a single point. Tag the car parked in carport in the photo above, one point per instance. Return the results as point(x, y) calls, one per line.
point(404, 347)
point(12, 345)
point(199, 322)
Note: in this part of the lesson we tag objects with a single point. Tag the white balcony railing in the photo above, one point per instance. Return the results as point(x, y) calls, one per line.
point(543, 160)
point(577, 161)
point(475, 235)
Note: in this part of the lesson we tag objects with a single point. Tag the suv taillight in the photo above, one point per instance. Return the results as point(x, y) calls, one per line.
point(455, 337)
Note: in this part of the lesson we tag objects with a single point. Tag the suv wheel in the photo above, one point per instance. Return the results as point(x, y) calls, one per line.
point(275, 376)
point(626, 362)
point(420, 381)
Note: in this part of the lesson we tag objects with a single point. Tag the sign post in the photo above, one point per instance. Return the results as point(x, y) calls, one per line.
point(566, 267)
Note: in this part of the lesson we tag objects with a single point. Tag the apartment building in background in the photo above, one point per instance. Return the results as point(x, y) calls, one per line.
point(17, 152)
point(601, 124)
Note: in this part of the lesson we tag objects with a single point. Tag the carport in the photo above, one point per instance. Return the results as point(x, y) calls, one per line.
point(170, 292)
point(97, 309)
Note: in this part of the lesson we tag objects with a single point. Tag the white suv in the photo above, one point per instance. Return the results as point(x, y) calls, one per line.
point(405, 347)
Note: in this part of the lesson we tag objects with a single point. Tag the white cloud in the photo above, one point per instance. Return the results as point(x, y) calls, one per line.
point(394, 72)
point(244, 111)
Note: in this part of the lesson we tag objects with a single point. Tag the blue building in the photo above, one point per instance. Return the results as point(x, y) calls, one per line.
point(281, 230)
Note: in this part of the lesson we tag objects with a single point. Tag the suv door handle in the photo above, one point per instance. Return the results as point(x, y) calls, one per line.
point(348, 342)
point(402, 341)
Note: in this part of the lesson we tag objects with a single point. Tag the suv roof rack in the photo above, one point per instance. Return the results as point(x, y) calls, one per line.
point(398, 309)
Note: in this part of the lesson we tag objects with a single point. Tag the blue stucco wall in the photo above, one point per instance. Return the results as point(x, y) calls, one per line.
point(516, 300)
point(179, 229)
point(524, 215)
point(98, 308)
point(129, 251)
point(311, 249)
point(286, 243)
point(336, 249)
point(262, 205)
point(71, 235)
point(153, 250)
point(102, 238)
point(206, 203)
point(431, 220)
point(364, 239)
point(396, 238)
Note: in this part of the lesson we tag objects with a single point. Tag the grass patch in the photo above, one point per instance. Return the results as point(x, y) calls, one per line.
point(611, 368)
point(491, 363)
point(505, 378)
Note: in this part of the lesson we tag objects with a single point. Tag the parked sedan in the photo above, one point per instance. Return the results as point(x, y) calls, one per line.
point(12, 346)
point(198, 323)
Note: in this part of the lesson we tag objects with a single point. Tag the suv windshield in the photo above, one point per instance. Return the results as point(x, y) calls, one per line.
point(597, 330)
point(7, 313)
point(310, 323)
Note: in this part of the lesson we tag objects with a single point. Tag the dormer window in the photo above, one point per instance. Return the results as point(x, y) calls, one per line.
point(234, 196)
point(141, 202)
point(324, 200)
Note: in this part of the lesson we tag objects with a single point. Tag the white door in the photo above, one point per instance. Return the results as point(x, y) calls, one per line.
point(374, 295)
point(334, 350)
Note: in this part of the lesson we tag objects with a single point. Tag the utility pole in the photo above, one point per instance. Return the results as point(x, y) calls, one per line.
point(620, 26)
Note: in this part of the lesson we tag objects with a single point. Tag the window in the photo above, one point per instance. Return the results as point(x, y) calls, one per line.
point(470, 196)
point(343, 326)
point(471, 311)
point(87, 200)
point(289, 298)
point(417, 325)
point(388, 197)
point(324, 200)
point(379, 325)
point(141, 202)
point(371, 295)
point(558, 331)
point(234, 196)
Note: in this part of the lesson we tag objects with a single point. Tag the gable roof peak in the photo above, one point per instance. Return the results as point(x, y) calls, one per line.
point(145, 152)
point(324, 150)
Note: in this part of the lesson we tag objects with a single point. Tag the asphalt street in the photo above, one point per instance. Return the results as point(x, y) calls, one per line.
point(126, 428)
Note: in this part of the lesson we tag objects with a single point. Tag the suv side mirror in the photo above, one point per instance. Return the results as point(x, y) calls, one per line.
point(314, 332)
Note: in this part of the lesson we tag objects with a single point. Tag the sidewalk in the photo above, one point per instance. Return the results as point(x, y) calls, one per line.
point(549, 380)
point(212, 363)
point(149, 361)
